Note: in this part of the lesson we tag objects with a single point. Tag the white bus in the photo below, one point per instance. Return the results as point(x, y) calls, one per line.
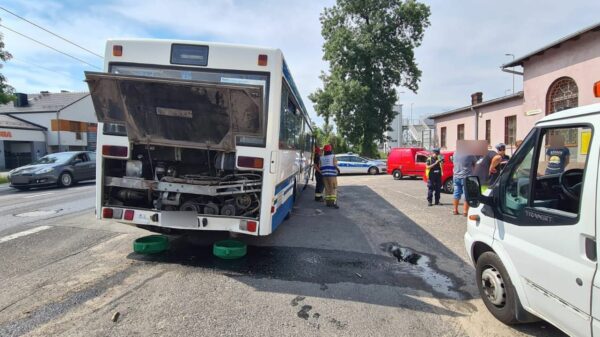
point(198, 136)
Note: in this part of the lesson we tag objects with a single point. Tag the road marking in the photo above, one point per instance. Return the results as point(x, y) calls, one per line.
point(24, 233)
point(37, 195)
point(406, 194)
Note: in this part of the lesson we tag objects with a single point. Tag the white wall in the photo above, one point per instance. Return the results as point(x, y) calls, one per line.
point(82, 111)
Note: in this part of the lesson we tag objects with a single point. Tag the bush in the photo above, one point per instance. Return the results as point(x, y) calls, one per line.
point(3, 180)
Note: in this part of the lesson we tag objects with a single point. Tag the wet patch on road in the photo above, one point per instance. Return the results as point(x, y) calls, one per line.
point(304, 312)
point(322, 267)
point(297, 300)
point(424, 267)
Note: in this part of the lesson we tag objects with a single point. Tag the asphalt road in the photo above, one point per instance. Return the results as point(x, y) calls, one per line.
point(324, 272)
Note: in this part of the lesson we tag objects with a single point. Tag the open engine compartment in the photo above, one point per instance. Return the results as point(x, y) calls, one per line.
point(182, 179)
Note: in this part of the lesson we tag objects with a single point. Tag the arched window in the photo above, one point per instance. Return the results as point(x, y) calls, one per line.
point(562, 94)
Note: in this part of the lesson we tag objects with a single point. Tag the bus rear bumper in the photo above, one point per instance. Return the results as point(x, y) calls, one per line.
point(181, 220)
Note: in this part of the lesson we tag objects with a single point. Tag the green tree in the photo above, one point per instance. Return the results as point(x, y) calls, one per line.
point(370, 48)
point(6, 91)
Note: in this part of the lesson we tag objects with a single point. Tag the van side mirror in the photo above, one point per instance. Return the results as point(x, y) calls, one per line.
point(473, 191)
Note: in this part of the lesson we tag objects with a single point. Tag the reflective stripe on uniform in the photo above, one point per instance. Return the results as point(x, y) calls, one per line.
point(327, 166)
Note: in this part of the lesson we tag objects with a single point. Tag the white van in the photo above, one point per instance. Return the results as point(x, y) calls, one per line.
point(532, 236)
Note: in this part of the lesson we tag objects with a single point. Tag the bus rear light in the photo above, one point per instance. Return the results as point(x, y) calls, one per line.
point(117, 50)
point(114, 151)
point(251, 226)
point(262, 60)
point(107, 213)
point(597, 89)
point(128, 215)
point(250, 162)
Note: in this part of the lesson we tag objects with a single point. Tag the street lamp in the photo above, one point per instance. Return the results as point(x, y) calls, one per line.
point(513, 71)
point(399, 120)
point(411, 121)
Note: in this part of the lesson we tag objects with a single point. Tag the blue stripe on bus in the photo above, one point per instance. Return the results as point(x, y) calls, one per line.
point(281, 212)
point(284, 183)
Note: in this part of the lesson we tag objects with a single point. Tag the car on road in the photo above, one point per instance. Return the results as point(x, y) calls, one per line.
point(406, 162)
point(62, 169)
point(532, 236)
point(353, 163)
point(447, 170)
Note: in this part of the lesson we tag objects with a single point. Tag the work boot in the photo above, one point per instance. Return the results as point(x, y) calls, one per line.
point(429, 203)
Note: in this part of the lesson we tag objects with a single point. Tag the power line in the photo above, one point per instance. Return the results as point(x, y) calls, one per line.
point(46, 30)
point(47, 46)
point(40, 67)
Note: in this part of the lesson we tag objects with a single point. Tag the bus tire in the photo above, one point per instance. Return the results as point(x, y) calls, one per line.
point(496, 288)
point(397, 174)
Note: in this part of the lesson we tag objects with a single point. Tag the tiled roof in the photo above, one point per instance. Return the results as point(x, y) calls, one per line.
point(10, 122)
point(45, 102)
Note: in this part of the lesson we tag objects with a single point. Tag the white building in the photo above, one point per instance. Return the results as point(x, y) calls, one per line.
point(36, 124)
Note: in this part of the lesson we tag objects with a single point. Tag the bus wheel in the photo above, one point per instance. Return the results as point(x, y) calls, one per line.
point(397, 174)
point(496, 288)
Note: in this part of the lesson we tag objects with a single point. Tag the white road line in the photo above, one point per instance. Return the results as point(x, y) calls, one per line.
point(24, 233)
point(37, 195)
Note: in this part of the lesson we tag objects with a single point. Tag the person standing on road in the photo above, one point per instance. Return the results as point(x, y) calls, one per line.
point(329, 171)
point(317, 164)
point(433, 170)
point(463, 167)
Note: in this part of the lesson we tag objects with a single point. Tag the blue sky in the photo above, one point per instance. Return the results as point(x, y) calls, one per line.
point(461, 53)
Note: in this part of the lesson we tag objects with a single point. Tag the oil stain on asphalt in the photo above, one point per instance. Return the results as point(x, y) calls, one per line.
point(321, 266)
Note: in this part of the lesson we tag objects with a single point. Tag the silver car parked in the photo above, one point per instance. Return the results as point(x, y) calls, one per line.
point(62, 169)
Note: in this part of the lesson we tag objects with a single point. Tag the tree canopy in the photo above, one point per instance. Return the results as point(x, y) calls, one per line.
point(6, 91)
point(369, 45)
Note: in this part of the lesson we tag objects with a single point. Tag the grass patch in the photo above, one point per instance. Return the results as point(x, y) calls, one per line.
point(3, 180)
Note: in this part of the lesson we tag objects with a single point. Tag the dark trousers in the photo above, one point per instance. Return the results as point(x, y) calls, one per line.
point(319, 187)
point(434, 186)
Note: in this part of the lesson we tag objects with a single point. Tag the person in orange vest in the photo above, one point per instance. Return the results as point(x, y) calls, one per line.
point(329, 170)
point(317, 163)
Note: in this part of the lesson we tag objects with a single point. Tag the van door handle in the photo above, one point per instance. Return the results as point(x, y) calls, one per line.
point(590, 249)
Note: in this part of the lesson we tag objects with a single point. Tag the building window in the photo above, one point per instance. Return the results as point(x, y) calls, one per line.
point(562, 94)
point(78, 135)
point(460, 132)
point(443, 137)
point(510, 130)
point(488, 130)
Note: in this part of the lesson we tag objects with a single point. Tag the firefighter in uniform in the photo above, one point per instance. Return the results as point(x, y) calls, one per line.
point(328, 169)
point(434, 177)
point(318, 175)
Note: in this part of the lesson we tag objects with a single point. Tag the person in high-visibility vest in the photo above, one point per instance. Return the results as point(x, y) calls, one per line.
point(317, 163)
point(329, 171)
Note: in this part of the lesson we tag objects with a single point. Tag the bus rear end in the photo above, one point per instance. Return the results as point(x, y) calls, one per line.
point(182, 142)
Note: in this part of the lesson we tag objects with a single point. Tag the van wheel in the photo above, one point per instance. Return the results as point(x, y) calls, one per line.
point(65, 179)
point(373, 170)
point(449, 186)
point(496, 288)
point(397, 174)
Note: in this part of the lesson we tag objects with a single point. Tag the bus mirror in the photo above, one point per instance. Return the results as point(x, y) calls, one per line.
point(472, 191)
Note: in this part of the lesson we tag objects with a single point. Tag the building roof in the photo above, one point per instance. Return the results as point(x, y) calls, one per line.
point(479, 105)
point(10, 122)
point(45, 102)
point(556, 44)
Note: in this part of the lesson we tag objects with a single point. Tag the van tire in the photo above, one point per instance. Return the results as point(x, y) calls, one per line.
point(449, 186)
point(397, 174)
point(499, 295)
point(373, 170)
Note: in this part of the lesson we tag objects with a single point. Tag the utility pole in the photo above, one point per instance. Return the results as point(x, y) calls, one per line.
point(513, 72)
point(399, 121)
point(411, 121)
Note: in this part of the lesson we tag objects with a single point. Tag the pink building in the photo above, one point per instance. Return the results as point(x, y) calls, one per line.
point(558, 76)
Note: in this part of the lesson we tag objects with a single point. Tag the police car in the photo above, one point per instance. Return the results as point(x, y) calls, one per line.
point(352, 163)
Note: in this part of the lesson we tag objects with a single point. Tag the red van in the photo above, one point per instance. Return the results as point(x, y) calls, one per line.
point(447, 170)
point(406, 162)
